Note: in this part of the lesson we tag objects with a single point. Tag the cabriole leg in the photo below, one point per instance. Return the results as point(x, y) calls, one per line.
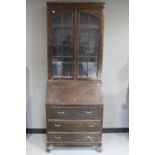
point(49, 147)
point(99, 148)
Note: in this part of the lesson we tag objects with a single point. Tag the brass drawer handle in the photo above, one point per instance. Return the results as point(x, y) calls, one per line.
point(57, 137)
point(60, 112)
point(57, 125)
point(91, 125)
point(88, 112)
point(90, 137)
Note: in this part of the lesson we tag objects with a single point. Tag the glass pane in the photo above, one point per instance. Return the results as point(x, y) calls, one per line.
point(92, 68)
point(67, 19)
point(83, 19)
point(67, 40)
point(83, 69)
point(84, 39)
point(93, 32)
point(67, 70)
point(57, 50)
point(83, 50)
point(94, 21)
point(67, 31)
point(67, 59)
point(57, 31)
point(57, 59)
point(84, 32)
point(93, 50)
point(93, 41)
point(83, 59)
point(92, 59)
point(57, 20)
point(67, 51)
point(57, 67)
point(57, 40)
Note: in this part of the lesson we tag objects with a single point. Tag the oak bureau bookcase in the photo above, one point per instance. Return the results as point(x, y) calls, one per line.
point(74, 104)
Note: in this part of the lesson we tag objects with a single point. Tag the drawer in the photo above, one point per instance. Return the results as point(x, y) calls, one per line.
point(74, 137)
point(76, 125)
point(74, 112)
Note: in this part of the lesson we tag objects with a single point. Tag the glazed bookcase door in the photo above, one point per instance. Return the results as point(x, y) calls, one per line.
point(75, 43)
point(88, 44)
point(61, 45)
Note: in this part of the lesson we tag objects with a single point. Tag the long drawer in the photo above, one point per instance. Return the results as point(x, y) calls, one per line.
point(73, 112)
point(76, 125)
point(91, 137)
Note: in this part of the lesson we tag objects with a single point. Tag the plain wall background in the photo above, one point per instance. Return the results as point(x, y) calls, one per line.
point(115, 62)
